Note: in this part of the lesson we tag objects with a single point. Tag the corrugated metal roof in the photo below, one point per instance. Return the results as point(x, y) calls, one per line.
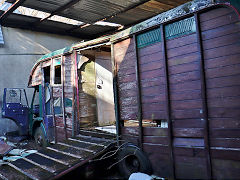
point(123, 12)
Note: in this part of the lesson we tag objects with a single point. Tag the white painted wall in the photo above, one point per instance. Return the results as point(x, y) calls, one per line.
point(21, 50)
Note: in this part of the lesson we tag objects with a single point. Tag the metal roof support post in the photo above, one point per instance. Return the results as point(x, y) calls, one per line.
point(168, 105)
point(204, 97)
point(139, 94)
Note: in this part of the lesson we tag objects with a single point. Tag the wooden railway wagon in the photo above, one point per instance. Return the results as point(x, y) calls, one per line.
point(75, 88)
point(177, 90)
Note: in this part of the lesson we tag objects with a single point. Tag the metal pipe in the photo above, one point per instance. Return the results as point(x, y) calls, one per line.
point(204, 97)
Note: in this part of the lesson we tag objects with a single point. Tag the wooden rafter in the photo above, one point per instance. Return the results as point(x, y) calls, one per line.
point(57, 11)
point(110, 16)
point(13, 7)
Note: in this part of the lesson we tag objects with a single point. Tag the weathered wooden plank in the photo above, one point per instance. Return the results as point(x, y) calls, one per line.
point(154, 131)
point(128, 86)
point(225, 142)
point(129, 138)
point(225, 153)
point(125, 59)
point(183, 77)
point(186, 104)
point(187, 114)
point(185, 86)
point(226, 169)
point(188, 142)
point(222, 61)
point(181, 41)
point(188, 123)
point(188, 132)
point(155, 148)
point(159, 106)
point(123, 47)
point(59, 121)
point(151, 65)
point(127, 78)
point(152, 74)
point(190, 167)
point(226, 102)
point(220, 31)
point(61, 133)
point(147, 99)
point(126, 102)
point(149, 58)
point(219, 21)
point(183, 59)
point(185, 95)
point(224, 112)
point(152, 91)
point(126, 71)
point(224, 122)
point(148, 50)
point(128, 113)
point(224, 92)
point(130, 130)
point(193, 66)
point(155, 140)
point(190, 48)
point(225, 133)
point(228, 81)
point(154, 114)
point(127, 93)
point(159, 158)
point(153, 82)
point(223, 71)
point(215, 13)
point(189, 151)
point(221, 41)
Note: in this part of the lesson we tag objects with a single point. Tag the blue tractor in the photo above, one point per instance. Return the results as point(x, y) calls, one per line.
point(34, 120)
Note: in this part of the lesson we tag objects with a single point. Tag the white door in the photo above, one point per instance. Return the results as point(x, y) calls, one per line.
point(104, 89)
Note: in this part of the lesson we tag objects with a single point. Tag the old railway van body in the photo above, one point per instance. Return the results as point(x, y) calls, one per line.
point(177, 90)
point(80, 82)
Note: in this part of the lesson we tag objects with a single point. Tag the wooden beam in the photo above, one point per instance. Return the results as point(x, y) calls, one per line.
point(63, 95)
point(168, 103)
point(116, 95)
point(12, 8)
point(204, 97)
point(139, 94)
point(57, 11)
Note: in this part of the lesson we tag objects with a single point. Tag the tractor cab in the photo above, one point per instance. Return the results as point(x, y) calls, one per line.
point(15, 107)
point(35, 120)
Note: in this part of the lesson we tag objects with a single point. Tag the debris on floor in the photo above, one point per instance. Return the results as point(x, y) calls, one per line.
point(13, 148)
point(4, 148)
point(110, 129)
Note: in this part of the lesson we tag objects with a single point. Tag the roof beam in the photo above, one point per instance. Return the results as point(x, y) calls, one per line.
point(12, 8)
point(57, 11)
point(110, 16)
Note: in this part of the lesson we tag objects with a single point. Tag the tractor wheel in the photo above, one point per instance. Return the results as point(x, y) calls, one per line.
point(39, 137)
point(132, 160)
